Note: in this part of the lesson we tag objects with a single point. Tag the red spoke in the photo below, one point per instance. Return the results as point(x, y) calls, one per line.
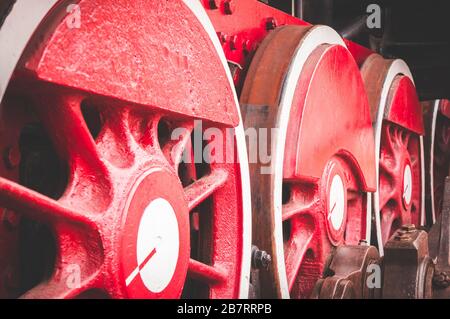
point(388, 217)
point(386, 195)
point(36, 205)
point(295, 251)
point(60, 288)
point(204, 187)
point(387, 139)
point(406, 139)
point(205, 273)
point(63, 119)
point(294, 208)
point(174, 148)
point(116, 143)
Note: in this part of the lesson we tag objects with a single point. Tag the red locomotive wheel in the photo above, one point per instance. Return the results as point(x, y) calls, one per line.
point(311, 197)
point(437, 121)
point(98, 126)
point(398, 126)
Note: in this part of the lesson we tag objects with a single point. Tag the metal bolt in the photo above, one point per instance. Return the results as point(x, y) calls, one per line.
point(363, 242)
point(441, 280)
point(228, 7)
point(271, 24)
point(260, 258)
point(408, 227)
point(11, 157)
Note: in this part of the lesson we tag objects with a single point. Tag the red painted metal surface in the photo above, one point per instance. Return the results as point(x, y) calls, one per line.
point(327, 153)
point(400, 152)
point(337, 129)
point(445, 108)
point(309, 215)
point(142, 79)
point(404, 107)
point(242, 30)
point(241, 34)
point(397, 119)
point(121, 51)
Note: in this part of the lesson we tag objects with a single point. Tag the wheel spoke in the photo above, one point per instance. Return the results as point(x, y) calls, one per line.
point(63, 119)
point(386, 195)
point(204, 187)
point(60, 288)
point(205, 273)
point(174, 148)
point(294, 208)
point(406, 139)
point(35, 205)
point(388, 217)
point(295, 251)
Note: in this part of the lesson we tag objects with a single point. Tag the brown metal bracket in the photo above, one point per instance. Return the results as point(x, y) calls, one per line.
point(347, 274)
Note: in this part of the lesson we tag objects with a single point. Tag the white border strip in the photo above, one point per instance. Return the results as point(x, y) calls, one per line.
point(431, 168)
point(15, 33)
point(397, 67)
point(422, 176)
point(198, 10)
point(316, 36)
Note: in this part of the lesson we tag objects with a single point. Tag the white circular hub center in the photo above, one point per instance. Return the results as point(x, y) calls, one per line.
point(157, 245)
point(407, 185)
point(336, 202)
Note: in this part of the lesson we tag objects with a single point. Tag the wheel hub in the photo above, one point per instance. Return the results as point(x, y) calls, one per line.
point(156, 238)
point(407, 186)
point(337, 203)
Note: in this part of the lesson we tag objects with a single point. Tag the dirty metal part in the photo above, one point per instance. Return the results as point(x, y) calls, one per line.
point(407, 267)
point(347, 276)
point(260, 258)
point(441, 279)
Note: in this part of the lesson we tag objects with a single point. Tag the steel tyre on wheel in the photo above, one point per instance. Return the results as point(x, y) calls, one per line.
point(129, 211)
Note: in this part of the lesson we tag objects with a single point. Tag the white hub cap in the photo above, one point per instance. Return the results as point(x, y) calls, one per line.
point(336, 202)
point(157, 246)
point(407, 185)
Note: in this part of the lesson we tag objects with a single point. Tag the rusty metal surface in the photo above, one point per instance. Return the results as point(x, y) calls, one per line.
point(407, 267)
point(441, 279)
point(348, 273)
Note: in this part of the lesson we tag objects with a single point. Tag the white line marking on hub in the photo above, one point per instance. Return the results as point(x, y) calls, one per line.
point(157, 246)
point(337, 202)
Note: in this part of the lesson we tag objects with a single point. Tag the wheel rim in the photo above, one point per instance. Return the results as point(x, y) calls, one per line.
point(436, 117)
point(399, 197)
point(134, 219)
point(287, 202)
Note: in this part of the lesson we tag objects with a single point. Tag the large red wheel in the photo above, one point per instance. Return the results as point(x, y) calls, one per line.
point(100, 119)
point(304, 86)
point(398, 126)
point(437, 122)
